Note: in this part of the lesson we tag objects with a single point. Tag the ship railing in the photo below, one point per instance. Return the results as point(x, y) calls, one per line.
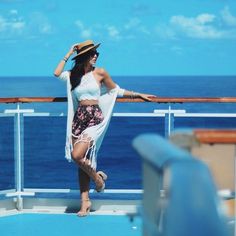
point(169, 115)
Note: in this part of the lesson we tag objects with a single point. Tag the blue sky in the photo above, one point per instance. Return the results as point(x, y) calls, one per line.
point(148, 37)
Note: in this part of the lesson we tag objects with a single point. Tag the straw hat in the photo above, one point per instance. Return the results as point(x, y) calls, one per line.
point(84, 47)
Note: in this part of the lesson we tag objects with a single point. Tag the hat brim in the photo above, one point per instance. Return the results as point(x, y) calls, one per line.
point(86, 50)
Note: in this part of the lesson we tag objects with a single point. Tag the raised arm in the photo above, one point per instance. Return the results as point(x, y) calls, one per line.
point(63, 61)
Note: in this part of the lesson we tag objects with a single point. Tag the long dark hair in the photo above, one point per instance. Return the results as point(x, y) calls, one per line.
point(78, 70)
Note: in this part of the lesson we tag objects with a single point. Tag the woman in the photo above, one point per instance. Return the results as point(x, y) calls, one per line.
point(89, 112)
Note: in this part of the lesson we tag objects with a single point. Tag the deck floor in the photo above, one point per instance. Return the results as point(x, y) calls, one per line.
point(29, 224)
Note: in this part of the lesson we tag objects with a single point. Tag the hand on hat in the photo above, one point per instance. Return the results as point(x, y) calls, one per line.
point(73, 49)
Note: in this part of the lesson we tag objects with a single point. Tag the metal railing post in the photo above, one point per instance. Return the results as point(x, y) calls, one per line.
point(18, 148)
point(18, 153)
point(169, 122)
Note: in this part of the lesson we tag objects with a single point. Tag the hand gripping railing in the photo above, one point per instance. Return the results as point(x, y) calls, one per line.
point(180, 197)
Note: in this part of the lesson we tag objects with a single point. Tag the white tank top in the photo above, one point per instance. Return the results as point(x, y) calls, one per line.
point(88, 89)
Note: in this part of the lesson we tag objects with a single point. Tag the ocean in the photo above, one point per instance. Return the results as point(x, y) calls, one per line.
point(44, 136)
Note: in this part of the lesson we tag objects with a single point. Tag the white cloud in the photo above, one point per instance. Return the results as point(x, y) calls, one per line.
point(132, 23)
point(177, 49)
point(145, 30)
point(84, 31)
point(165, 31)
point(202, 26)
point(11, 25)
point(97, 30)
point(86, 34)
point(13, 12)
point(205, 18)
point(227, 17)
point(46, 28)
point(113, 32)
point(18, 25)
point(14, 26)
point(135, 25)
point(3, 23)
point(79, 24)
point(39, 23)
point(131, 29)
point(198, 27)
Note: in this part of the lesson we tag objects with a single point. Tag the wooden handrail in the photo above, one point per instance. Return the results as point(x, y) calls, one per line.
point(126, 99)
point(213, 136)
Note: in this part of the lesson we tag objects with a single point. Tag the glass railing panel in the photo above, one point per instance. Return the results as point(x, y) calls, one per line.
point(44, 162)
point(205, 122)
point(118, 158)
point(46, 167)
point(7, 152)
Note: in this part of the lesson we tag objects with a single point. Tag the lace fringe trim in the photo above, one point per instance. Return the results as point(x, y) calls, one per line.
point(91, 150)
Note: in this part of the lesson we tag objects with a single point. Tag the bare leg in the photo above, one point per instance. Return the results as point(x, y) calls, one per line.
point(83, 178)
point(84, 183)
point(86, 172)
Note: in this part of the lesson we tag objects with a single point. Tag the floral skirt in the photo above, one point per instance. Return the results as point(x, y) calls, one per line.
point(86, 116)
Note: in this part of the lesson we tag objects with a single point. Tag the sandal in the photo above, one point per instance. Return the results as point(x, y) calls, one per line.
point(85, 207)
point(100, 183)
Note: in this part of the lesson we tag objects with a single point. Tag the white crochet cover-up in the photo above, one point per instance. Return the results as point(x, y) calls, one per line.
point(94, 134)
